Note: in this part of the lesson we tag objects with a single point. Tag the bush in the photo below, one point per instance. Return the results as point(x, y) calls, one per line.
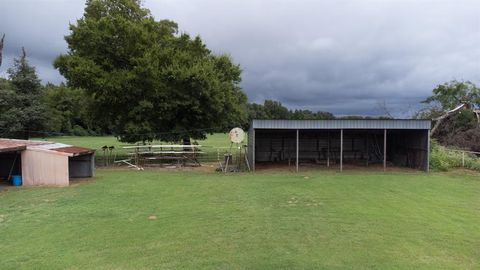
point(469, 139)
point(79, 131)
point(443, 159)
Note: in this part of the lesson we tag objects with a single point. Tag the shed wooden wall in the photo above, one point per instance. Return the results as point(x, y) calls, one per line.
point(44, 168)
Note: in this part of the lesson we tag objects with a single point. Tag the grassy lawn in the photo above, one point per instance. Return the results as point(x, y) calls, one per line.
point(265, 220)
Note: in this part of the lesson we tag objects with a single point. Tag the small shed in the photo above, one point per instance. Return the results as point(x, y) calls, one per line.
point(45, 163)
point(336, 143)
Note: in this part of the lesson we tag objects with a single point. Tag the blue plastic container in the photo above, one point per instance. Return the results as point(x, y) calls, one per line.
point(16, 180)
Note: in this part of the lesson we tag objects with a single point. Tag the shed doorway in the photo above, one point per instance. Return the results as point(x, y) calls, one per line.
point(10, 164)
point(81, 166)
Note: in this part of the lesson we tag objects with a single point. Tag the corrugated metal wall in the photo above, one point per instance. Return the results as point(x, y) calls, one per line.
point(409, 148)
point(81, 166)
point(404, 147)
point(318, 145)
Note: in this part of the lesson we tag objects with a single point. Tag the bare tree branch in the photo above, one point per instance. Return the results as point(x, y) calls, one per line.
point(1, 48)
point(382, 105)
point(477, 113)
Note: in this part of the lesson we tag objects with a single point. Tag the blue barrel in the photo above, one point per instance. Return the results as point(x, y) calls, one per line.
point(16, 180)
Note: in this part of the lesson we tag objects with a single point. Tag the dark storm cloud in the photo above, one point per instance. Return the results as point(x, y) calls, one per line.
point(39, 26)
point(340, 56)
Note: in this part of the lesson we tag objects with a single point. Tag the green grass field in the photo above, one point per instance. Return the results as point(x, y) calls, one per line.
point(213, 143)
point(266, 220)
point(97, 142)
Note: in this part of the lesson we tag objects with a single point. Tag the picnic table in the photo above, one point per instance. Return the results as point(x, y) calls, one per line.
point(140, 155)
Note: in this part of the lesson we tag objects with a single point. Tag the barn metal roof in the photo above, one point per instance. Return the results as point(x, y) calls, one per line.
point(342, 124)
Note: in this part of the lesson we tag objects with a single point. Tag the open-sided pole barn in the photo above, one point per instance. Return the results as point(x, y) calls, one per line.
point(404, 143)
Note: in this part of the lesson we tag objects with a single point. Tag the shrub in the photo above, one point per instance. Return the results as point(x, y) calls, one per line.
point(443, 159)
point(79, 131)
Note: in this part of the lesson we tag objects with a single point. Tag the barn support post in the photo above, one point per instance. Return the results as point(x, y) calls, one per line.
point(367, 148)
point(341, 150)
point(253, 149)
point(384, 149)
point(328, 149)
point(92, 165)
point(296, 164)
point(427, 169)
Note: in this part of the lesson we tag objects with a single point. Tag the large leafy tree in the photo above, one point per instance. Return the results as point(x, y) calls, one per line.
point(68, 110)
point(22, 112)
point(147, 81)
point(275, 110)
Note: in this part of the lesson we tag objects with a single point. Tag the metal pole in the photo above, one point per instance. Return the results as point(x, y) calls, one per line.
point(428, 151)
point(297, 151)
point(328, 150)
point(253, 149)
point(367, 147)
point(92, 165)
point(384, 149)
point(341, 150)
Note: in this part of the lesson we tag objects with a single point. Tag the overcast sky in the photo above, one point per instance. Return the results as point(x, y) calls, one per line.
point(342, 56)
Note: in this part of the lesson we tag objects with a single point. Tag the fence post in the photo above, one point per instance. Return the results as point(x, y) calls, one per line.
point(463, 159)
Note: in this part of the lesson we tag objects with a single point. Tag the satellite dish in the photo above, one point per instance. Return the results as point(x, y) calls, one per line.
point(237, 135)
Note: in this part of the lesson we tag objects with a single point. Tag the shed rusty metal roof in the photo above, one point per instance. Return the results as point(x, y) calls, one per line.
point(11, 145)
point(75, 150)
point(343, 124)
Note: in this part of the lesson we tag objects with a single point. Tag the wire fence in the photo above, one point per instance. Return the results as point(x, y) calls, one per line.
point(444, 159)
point(235, 156)
point(107, 155)
point(467, 157)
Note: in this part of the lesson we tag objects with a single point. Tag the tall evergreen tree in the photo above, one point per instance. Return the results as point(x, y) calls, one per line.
point(22, 112)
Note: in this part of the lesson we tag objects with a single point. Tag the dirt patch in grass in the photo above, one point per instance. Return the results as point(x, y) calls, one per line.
point(348, 166)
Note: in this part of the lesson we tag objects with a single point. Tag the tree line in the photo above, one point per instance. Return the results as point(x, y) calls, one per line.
point(30, 109)
point(136, 78)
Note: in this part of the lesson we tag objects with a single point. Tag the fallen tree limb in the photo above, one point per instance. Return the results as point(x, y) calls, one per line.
point(447, 114)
